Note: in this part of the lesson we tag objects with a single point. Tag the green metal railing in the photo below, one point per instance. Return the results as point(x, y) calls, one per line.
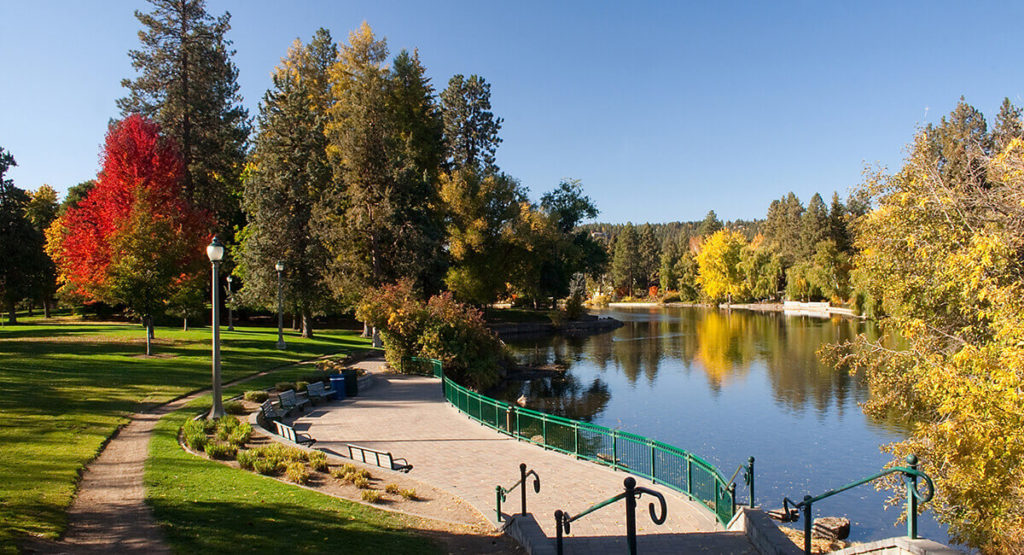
point(659, 462)
point(563, 521)
point(910, 476)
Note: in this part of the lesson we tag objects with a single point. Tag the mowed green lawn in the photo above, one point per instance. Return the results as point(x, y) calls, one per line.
point(66, 387)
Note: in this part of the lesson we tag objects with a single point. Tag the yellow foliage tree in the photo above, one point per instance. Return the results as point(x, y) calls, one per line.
point(720, 275)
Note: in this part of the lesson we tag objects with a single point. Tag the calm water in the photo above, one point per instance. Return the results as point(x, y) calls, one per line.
point(727, 386)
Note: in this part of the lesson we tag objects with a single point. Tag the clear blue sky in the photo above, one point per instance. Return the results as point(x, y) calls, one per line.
point(664, 110)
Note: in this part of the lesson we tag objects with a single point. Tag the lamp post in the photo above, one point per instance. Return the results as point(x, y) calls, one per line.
point(215, 251)
point(280, 310)
point(231, 319)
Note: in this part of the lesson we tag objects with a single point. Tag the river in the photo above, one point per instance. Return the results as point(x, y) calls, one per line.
point(728, 385)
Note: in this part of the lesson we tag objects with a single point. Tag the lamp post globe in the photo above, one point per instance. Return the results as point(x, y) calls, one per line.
point(231, 319)
point(215, 251)
point(280, 308)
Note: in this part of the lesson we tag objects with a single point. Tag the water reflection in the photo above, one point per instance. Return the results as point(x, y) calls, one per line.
point(723, 345)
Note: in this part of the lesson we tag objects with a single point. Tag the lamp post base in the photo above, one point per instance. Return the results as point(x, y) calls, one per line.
point(280, 345)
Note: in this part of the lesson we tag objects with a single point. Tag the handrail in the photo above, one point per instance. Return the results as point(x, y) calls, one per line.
point(631, 494)
point(659, 462)
point(748, 478)
point(499, 492)
point(910, 476)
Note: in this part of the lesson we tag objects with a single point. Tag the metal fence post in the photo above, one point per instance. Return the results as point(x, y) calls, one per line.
point(807, 524)
point(576, 439)
point(497, 497)
point(630, 484)
point(653, 473)
point(911, 482)
point(522, 485)
point(750, 481)
point(558, 531)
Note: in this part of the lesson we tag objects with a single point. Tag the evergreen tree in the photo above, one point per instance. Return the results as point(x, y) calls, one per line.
point(21, 243)
point(75, 194)
point(650, 255)
point(814, 227)
point(470, 128)
point(838, 225)
point(1007, 127)
point(377, 215)
point(783, 229)
point(288, 175)
point(710, 225)
point(627, 267)
point(188, 84)
point(961, 144)
point(573, 251)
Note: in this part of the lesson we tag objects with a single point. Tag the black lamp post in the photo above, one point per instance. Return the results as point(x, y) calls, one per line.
point(231, 319)
point(280, 310)
point(215, 251)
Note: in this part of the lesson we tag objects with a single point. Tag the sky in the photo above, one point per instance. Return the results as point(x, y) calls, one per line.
point(663, 110)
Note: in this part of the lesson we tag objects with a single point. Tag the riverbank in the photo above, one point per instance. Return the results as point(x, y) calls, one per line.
point(586, 325)
point(790, 308)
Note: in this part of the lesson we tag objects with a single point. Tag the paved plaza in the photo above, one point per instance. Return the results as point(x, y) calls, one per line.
point(409, 417)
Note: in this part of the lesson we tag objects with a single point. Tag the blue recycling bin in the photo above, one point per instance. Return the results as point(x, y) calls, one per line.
point(338, 385)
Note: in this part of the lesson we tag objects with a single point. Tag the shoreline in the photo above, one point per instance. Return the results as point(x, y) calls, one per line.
point(789, 308)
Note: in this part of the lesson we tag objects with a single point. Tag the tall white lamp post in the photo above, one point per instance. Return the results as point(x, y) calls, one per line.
point(231, 319)
point(280, 307)
point(215, 251)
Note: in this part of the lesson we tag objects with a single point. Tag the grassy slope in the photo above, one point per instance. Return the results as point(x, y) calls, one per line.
point(65, 388)
point(206, 507)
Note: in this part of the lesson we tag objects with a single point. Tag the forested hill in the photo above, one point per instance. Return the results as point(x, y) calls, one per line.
point(675, 231)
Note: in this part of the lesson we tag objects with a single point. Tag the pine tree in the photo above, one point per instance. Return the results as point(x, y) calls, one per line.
point(650, 255)
point(288, 175)
point(188, 84)
point(814, 227)
point(783, 228)
point(838, 225)
point(1007, 127)
point(21, 243)
point(710, 225)
point(470, 128)
point(626, 266)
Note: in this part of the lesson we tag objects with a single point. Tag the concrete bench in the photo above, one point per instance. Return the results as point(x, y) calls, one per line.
point(291, 435)
point(382, 459)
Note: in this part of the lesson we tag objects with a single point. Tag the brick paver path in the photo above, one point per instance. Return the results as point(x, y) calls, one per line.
point(408, 416)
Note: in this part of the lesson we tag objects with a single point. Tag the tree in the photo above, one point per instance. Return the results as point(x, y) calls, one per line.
point(942, 252)
point(839, 225)
point(719, 261)
point(42, 211)
point(378, 217)
point(133, 240)
point(1008, 126)
point(762, 271)
point(486, 214)
point(831, 271)
point(569, 251)
point(21, 243)
point(650, 255)
point(710, 225)
point(783, 229)
point(188, 84)
point(470, 128)
point(288, 175)
point(627, 266)
point(815, 227)
point(75, 195)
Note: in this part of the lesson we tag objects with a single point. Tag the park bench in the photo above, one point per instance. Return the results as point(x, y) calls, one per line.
point(382, 459)
point(291, 435)
point(289, 400)
point(270, 412)
point(316, 392)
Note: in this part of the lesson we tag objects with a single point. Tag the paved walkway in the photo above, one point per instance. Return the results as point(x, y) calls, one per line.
point(408, 416)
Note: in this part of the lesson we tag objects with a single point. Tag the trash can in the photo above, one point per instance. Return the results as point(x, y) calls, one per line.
point(338, 385)
point(351, 382)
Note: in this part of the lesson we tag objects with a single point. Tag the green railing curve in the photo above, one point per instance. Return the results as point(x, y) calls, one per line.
point(658, 462)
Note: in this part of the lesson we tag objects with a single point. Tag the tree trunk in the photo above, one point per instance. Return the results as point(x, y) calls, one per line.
point(295, 322)
point(307, 325)
point(30, 307)
point(377, 343)
point(46, 307)
point(366, 330)
point(12, 315)
point(185, 325)
point(148, 320)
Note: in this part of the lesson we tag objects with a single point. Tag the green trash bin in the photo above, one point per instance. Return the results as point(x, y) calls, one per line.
point(351, 382)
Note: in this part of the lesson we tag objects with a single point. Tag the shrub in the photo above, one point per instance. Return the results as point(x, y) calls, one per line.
point(349, 477)
point(318, 461)
point(557, 318)
point(409, 494)
point(671, 297)
point(284, 386)
point(321, 376)
point(301, 386)
point(245, 458)
point(256, 396)
point(193, 427)
point(196, 441)
point(268, 467)
point(348, 467)
point(338, 473)
point(600, 300)
point(297, 472)
point(371, 496)
point(209, 425)
point(391, 488)
point(361, 482)
point(363, 473)
point(240, 435)
point(222, 451)
point(235, 407)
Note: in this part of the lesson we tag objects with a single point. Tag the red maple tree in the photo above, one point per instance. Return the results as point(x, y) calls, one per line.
point(134, 237)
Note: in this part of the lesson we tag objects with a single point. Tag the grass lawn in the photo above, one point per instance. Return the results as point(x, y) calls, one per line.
point(515, 315)
point(206, 507)
point(65, 387)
